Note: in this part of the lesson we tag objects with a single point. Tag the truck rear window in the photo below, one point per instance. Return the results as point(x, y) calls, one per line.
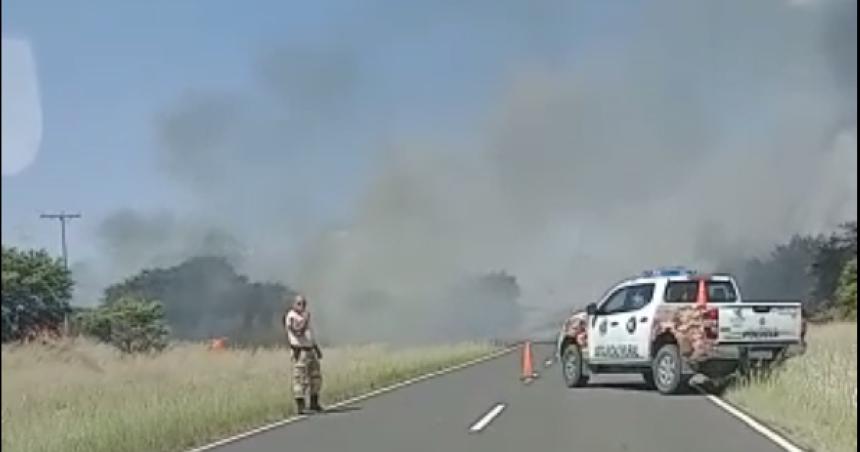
point(686, 291)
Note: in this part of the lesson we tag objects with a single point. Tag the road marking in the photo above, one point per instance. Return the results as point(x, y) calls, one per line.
point(359, 398)
point(752, 423)
point(485, 421)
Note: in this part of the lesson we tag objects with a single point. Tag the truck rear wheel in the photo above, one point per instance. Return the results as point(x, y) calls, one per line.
point(667, 370)
point(572, 367)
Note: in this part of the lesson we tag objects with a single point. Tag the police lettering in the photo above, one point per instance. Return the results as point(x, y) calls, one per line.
point(760, 334)
point(617, 351)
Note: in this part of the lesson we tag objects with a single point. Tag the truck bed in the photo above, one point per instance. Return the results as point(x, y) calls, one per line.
point(760, 322)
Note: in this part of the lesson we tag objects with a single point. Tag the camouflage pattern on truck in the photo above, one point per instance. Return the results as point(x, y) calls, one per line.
point(688, 325)
point(576, 328)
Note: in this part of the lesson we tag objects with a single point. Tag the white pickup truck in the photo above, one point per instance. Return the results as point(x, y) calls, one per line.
point(671, 324)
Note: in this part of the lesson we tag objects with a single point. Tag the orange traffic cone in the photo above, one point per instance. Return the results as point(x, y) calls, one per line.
point(528, 370)
point(701, 294)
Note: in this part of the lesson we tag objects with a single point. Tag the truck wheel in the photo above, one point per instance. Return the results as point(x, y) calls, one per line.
point(571, 367)
point(668, 370)
point(648, 376)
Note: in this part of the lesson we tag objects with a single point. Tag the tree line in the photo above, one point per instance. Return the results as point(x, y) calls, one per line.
point(200, 298)
point(205, 297)
point(820, 270)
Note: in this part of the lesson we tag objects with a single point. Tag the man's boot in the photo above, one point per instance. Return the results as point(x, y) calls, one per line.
point(315, 403)
point(300, 405)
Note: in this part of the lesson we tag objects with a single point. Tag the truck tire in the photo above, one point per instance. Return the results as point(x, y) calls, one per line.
point(667, 370)
point(572, 367)
point(648, 376)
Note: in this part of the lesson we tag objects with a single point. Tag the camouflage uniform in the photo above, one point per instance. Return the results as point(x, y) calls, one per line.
point(307, 376)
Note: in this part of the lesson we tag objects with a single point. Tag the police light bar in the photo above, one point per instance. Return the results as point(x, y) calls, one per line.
point(668, 271)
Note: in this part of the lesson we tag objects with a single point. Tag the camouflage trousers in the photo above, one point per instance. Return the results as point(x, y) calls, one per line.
point(307, 376)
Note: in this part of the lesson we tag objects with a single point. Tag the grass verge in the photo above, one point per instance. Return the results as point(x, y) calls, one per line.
point(84, 397)
point(812, 399)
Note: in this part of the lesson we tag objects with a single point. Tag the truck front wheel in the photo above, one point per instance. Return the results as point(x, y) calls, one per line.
point(572, 366)
point(667, 370)
point(648, 376)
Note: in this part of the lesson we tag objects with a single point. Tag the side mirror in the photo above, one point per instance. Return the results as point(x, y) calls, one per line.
point(591, 309)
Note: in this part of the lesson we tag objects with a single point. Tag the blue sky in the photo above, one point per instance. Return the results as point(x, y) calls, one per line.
point(107, 69)
point(180, 106)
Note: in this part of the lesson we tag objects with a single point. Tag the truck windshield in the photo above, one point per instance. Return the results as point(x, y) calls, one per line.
point(686, 291)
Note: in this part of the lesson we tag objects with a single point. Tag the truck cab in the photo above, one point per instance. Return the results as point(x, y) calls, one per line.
point(670, 324)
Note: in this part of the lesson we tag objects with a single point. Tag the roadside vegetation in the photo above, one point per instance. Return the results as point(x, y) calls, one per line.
point(134, 373)
point(83, 396)
point(811, 399)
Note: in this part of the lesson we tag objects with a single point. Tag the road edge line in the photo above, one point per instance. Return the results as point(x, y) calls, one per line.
point(751, 422)
point(365, 396)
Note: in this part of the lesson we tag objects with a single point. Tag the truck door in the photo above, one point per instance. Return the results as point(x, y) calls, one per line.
point(622, 328)
point(603, 328)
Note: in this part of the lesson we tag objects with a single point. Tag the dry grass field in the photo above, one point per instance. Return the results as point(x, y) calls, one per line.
point(812, 399)
point(85, 397)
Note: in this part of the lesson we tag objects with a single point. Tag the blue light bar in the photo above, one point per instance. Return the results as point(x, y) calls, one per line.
point(668, 271)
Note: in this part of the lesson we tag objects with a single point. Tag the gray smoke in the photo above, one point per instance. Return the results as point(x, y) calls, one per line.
point(130, 241)
point(686, 132)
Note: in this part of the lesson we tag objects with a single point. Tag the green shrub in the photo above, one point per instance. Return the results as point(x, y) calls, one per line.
point(132, 324)
point(846, 295)
point(36, 293)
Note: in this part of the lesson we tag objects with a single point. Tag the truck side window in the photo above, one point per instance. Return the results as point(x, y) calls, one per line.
point(615, 302)
point(682, 291)
point(688, 291)
point(628, 299)
point(721, 291)
point(639, 296)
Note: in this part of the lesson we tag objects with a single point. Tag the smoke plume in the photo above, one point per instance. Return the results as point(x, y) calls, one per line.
point(605, 142)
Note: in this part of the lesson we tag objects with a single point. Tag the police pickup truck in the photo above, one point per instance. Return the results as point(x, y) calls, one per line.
point(670, 324)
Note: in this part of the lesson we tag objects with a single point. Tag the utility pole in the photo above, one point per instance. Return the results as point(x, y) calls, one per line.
point(63, 217)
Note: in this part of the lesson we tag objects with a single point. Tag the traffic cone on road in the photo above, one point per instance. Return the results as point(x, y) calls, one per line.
point(528, 373)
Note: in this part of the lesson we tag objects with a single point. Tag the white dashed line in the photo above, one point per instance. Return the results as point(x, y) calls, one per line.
point(368, 395)
point(485, 421)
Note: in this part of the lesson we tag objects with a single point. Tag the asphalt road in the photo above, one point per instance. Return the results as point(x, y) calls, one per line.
point(612, 414)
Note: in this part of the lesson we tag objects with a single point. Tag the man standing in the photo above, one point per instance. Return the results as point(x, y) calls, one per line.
point(307, 378)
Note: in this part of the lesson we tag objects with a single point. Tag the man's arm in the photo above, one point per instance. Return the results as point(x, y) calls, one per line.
point(309, 333)
point(297, 324)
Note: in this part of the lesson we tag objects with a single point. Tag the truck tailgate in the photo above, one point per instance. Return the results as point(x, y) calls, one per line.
point(760, 323)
